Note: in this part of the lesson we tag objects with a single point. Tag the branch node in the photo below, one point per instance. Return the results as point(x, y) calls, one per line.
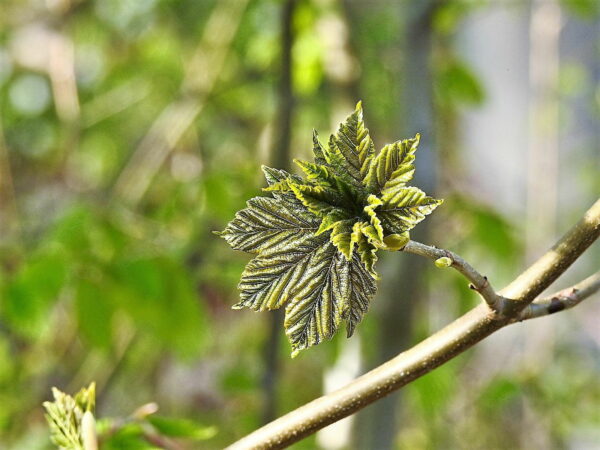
point(555, 306)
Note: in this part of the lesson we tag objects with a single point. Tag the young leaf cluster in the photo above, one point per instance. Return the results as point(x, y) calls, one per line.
point(317, 237)
point(65, 416)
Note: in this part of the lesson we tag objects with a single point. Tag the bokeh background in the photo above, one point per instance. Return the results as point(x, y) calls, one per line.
point(130, 129)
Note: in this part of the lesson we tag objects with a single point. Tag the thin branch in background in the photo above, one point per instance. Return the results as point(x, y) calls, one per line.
point(61, 70)
point(9, 215)
point(434, 351)
point(115, 101)
point(201, 76)
point(565, 299)
point(280, 158)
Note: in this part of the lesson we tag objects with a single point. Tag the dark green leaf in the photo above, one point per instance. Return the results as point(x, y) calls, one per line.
point(267, 224)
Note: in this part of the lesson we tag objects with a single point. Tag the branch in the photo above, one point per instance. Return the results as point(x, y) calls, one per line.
point(565, 299)
point(444, 345)
point(479, 282)
point(549, 267)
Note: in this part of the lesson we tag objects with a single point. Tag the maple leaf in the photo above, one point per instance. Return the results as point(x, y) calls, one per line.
point(317, 237)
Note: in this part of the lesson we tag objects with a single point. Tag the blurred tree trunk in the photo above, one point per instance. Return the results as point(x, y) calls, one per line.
point(280, 158)
point(401, 289)
point(544, 63)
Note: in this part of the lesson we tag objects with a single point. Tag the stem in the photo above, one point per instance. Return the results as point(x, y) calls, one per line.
point(565, 299)
point(444, 345)
point(479, 282)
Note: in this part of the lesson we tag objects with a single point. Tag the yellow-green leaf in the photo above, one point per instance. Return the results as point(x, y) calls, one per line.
point(374, 202)
point(405, 209)
point(354, 143)
point(343, 238)
point(393, 167)
point(320, 300)
point(318, 151)
point(331, 219)
point(318, 199)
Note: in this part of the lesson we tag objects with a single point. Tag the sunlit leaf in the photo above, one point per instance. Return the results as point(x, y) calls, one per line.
point(317, 238)
point(268, 224)
point(404, 209)
point(393, 167)
point(271, 280)
point(354, 143)
point(320, 299)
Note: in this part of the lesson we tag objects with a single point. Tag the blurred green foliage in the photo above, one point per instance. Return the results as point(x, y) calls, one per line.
point(136, 294)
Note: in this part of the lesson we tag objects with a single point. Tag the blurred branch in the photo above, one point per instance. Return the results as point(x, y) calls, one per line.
point(9, 216)
point(202, 73)
point(565, 299)
point(439, 348)
point(479, 282)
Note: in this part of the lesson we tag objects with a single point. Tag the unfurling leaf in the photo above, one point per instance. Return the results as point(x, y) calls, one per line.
point(70, 419)
point(316, 239)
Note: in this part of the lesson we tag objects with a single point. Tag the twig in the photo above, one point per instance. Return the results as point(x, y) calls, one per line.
point(565, 299)
point(444, 345)
point(479, 283)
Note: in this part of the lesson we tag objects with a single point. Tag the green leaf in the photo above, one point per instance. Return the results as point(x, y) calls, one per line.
point(318, 199)
point(331, 219)
point(320, 299)
point(405, 209)
point(94, 313)
point(368, 254)
point(29, 296)
point(393, 167)
point(278, 182)
point(318, 151)
point(362, 291)
point(267, 224)
point(181, 428)
point(374, 202)
point(343, 238)
point(354, 143)
point(271, 280)
point(127, 437)
point(306, 235)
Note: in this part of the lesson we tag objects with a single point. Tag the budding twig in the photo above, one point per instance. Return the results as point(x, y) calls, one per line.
point(565, 299)
point(478, 282)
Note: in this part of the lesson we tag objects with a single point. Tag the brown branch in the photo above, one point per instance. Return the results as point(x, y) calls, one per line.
point(565, 299)
point(549, 267)
point(479, 283)
point(444, 345)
